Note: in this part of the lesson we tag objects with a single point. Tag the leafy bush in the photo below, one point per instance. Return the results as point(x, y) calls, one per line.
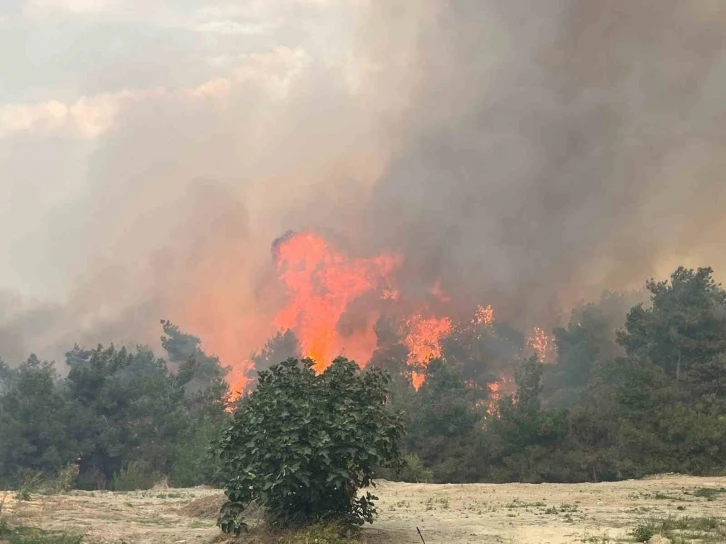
point(302, 445)
point(134, 477)
point(414, 471)
point(66, 477)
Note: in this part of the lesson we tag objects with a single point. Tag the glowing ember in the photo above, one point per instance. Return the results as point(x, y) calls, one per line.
point(541, 344)
point(422, 336)
point(320, 284)
point(505, 386)
point(484, 316)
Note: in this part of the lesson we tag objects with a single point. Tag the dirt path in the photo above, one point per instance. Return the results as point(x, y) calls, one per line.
point(457, 514)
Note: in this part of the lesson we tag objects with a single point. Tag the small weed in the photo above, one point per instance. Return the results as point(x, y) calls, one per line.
point(23, 495)
point(643, 532)
point(433, 501)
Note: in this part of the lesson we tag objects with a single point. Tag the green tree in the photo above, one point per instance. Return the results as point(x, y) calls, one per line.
point(588, 339)
point(445, 424)
point(34, 421)
point(302, 445)
point(685, 325)
point(481, 351)
point(128, 408)
point(522, 438)
point(197, 370)
point(281, 347)
point(206, 398)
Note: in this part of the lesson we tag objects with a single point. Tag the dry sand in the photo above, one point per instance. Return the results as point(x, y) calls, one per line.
point(546, 513)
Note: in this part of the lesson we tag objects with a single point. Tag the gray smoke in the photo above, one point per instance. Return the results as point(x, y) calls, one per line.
point(559, 148)
point(528, 154)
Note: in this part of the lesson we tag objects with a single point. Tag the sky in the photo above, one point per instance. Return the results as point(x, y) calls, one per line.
point(526, 153)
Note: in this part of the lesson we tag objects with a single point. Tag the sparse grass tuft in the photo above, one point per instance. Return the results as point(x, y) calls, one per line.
point(319, 533)
point(643, 532)
point(709, 493)
point(26, 535)
point(682, 530)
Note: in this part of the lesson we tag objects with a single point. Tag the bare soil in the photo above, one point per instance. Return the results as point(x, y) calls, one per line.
point(491, 513)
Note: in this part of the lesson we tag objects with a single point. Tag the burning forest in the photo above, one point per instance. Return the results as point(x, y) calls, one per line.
point(332, 304)
point(454, 205)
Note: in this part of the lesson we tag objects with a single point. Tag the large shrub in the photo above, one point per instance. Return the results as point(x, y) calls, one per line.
point(302, 445)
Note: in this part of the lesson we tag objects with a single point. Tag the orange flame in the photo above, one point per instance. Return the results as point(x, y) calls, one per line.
point(541, 344)
point(484, 315)
point(505, 386)
point(422, 337)
point(321, 283)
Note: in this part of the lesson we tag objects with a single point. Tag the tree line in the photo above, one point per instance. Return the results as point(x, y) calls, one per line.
point(619, 401)
point(124, 418)
point(634, 389)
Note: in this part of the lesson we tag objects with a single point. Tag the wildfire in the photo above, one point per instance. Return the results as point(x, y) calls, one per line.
point(484, 315)
point(320, 284)
point(505, 386)
point(331, 302)
point(422, 336)
point(541, 344)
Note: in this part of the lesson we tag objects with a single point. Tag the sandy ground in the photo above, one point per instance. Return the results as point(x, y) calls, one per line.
point(509, 513)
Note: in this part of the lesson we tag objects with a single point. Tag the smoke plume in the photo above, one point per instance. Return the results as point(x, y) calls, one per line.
point(523, 154)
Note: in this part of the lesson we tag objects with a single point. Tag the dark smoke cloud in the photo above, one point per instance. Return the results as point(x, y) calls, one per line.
point(560, 147)
point(529, 154)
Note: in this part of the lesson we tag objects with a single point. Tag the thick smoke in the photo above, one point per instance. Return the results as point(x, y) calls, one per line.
point(529, 154)
point(560, 147)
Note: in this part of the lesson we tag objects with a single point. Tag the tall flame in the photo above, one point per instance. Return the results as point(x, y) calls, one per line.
point(422, 336)
point(320, 284)
point(541, 344)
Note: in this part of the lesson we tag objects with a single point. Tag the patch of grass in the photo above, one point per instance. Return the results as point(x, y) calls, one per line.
point(27, 535)
point(709, 493)
point(433, 502)
point(516, 503)
point(174, 495)
point(643, 532)
point(682, 530)
point(319, 533)
point(23, 495)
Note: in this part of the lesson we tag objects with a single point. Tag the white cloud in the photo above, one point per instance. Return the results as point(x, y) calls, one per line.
point(91, 116)
point(234, 27)
point(88, 117)
point(39, 7)
point(276, 71)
